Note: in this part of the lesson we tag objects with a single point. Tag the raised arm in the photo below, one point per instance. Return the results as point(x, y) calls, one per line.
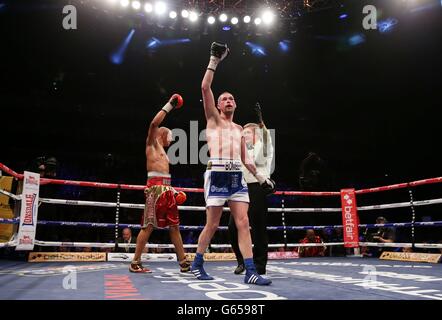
point(218, 52)
point(268, 149)
point(267, 146)
point(176, 101)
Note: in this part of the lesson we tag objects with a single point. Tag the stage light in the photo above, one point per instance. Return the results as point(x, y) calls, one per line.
point(124, 3)
point(193, 16)
point(160, 7)
point(247, 19)
point(284, 45)
point(268, 17)
point(387, 25)
point(223, 17)
point(185, 14)
point(117, 57)
point(136, 5)
point(153, 43)
point(234, 20)
point(211, 20)
point(356, 39)
point(257, 21)
point(171, 42)
point(172, 14)
point(256, 49)
point(148, 7)
point(343, 16)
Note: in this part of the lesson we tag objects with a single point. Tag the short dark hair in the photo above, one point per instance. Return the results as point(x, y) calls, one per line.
point(219, 97)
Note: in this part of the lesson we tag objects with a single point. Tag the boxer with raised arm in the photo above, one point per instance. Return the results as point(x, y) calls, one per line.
point(161, 209)
point(223, 179)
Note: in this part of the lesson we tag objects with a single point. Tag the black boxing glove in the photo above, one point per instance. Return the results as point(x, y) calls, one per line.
point(267, 184)
point(258, 113)
point(218, 51)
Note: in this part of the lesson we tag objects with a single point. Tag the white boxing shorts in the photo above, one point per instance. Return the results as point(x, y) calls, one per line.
point(224, 181)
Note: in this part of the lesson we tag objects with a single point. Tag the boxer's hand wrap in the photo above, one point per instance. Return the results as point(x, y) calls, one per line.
point(167, 107)
point(218, 52)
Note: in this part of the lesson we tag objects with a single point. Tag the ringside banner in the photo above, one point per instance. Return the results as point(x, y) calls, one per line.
point(28, 211)
point(350, 219)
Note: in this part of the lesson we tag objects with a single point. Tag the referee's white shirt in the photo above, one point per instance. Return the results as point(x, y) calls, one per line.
point(261, 153)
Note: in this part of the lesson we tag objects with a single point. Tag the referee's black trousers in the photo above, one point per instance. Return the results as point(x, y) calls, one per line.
point(257, 213)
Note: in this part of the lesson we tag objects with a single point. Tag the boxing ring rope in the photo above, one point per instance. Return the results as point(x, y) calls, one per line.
point(226, 209)
point(282, 210)
point(272, 228)
point(289, 193)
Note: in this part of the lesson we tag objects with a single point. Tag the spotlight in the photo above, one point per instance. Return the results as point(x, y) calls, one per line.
point(185, 14)
point(136, 5)
point(268, 17)
point(256, 50)
point(172, 42)
point(172, 14)
point(193, 16)
point(257, 21)
point(148, 7)
point(160, 8)
point(234, 20)
point(247, 19)
point(153, 43)
point(356, 39)
point(387, 25)
point(284, 45)
point(223, 17)
point(117, 57)
point(211, 20)
point(124, 3)
point(343, 16)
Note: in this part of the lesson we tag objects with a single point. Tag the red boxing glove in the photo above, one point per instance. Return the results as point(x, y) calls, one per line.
point(175, 102)
point(180, 197)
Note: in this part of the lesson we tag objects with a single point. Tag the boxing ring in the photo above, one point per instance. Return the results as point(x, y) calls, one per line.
point(321, 278)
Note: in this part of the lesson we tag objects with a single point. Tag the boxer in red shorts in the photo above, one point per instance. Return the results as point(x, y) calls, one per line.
point(162, 199)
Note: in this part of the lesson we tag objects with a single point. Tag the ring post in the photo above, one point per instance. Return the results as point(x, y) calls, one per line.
point(283, 220)
point(117, 217)
point(350, 221)
point(413, 216)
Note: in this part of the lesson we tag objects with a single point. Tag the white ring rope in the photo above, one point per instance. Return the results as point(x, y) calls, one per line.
point(167, 246)
point(226, 209)
point(201, 208)
point(11, 195)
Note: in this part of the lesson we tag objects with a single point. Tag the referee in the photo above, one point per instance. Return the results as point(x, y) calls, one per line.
point(260, 149)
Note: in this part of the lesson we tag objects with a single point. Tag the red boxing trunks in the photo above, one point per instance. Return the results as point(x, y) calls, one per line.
point(161, 208)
